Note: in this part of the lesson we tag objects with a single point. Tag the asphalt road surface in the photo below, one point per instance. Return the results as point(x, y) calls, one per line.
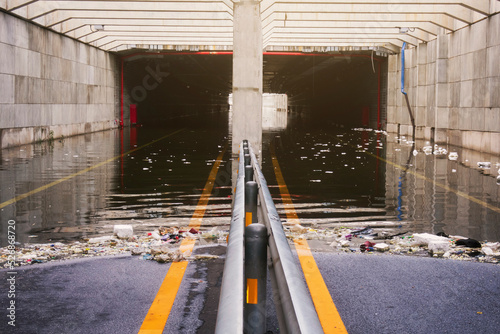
point(373, 294)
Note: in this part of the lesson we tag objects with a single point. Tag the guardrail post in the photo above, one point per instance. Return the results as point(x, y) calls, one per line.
point(251, 192)
point(255, 279)
point(248, 174)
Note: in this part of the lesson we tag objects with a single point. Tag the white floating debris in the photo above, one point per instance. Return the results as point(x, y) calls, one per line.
point(439, 245)
point(381, 247)
point(484, 165)
point(427, 150)
point(415, 153)
point(98, 240)
point(453, 156)
point(123, 231)
point(425, 238)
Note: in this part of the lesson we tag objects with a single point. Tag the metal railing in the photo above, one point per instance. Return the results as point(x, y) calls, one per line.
point(295, 309)
point(231, 300)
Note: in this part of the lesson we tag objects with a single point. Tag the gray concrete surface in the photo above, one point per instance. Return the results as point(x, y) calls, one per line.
point(373, 293)
point(453, 84)
point(247, 75)
point(51, 85)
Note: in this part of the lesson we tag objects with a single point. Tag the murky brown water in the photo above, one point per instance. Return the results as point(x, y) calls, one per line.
point(157, 185)
point(354, 178)
point(333, 175)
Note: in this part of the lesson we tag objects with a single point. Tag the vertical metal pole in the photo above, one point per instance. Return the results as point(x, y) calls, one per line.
point(121, 94)
point(251, 192)
point(255, 279)
point(248, 174)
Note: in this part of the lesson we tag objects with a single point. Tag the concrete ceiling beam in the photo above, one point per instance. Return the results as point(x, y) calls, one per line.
point(393, 46)
point(354, 31)
point(58, 17)
point(40, 8)
point(425, 27)
point(483, 7)
point(11, 5)
point(455, 11)
point(149, 31)
point(118, 45)
point(74, 24)
point(162, 41)
point(188, 36)
point(439, 20)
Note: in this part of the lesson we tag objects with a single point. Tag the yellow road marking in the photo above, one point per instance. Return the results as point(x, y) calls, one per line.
point(160, 309)
point(195, 222)
point(83, 171)
point(158, 313)
point(327, 311)
point(441, 185)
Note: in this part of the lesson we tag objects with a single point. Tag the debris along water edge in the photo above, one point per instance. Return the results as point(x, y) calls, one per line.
point(161, 245)
point(374, 239)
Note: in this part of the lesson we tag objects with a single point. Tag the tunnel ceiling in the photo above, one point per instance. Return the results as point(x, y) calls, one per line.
point(290, 25)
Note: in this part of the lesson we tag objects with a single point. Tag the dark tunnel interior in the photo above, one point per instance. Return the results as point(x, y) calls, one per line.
point(347, 89)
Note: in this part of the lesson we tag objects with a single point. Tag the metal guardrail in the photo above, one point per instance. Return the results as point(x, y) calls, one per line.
point(295, 309)
point(231, 300)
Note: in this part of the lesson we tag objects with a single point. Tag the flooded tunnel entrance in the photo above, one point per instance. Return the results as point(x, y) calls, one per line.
point(335, 175)
point(345, 89)
point(175, 86)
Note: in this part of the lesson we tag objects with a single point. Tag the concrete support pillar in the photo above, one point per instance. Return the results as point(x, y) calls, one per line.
point(247, 75)
point(440, 119)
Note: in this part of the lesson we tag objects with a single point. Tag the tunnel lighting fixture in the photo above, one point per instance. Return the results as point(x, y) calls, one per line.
point(404, 30)
point(97, 27)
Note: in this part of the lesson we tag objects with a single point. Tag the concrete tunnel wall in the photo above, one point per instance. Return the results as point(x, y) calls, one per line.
point(453, 84)
point(52, 86)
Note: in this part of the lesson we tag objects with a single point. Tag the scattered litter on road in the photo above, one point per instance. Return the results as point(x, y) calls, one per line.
point(161, 245)
point(371, 239)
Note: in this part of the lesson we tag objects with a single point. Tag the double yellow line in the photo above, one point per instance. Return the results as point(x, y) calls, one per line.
point(155, 320)
point(325, 308)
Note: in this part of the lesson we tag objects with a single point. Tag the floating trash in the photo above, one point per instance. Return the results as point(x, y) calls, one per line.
point(427, 150)
point(453, 156)
point(484, 165)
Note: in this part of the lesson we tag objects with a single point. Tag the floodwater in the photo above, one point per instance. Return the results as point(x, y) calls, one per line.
point(363, 177)
point(153, 177)
point(159, 184)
